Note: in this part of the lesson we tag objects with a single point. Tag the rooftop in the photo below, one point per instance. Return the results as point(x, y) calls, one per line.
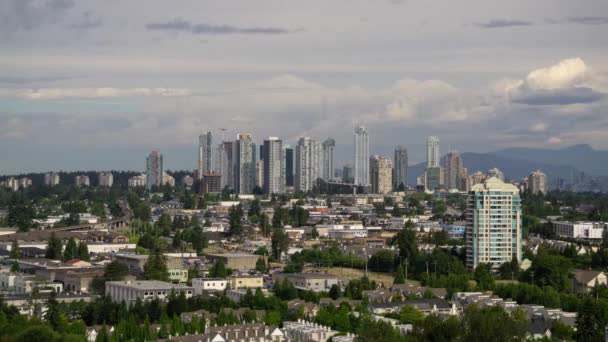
point(148, 284)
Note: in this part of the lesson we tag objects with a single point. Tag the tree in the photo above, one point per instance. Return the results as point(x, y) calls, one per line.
point(590, 321)
point(399, 276)
point(509, 270)
point(218, 270)
point(54, 249)
point(115, 271)
point(83, 251)
point(156, 267)
point(280, 242)
point(260, 265)
point(480, 324)
point(177, 240)
point(439, 208)
point(410, 315)
point(406, 241)
point(235, 214)
point(71, 250)
point(382, 261)
point(254, 208)
point(335, 292)
point(552, 270)
point(314, 233)
point(15, 267)
point(163, 224)
point(15, 250)
point(483, 276)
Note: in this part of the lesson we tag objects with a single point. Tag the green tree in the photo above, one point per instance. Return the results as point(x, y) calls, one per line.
point(439, 208)
point(410, 315)
point(15, 250)
point(235, 215)
point(590, 321)
point(83, 251)
point(156, 267)
point(218, 270)
point(279, 242)
point(335, 292)
point(399, 276)
point(54, 249)
point(483, 276)
point(260, 265)
point(163, 224)
point(406, 241)
point(480, 324)
point(314, 233)
point(71, 250)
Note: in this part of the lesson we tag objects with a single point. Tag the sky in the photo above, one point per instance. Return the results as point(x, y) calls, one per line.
point(96, 85)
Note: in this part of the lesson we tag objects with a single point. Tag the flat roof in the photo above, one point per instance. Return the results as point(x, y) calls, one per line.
point(234, 255)
point(148, 284)
point(311, 275)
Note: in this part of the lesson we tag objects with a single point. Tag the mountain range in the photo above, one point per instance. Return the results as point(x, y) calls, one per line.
point(518, 162)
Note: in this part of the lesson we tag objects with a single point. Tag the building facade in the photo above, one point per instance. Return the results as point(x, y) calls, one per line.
point(453, 170)
point(244, 164)
point(224, 165)
point(129, 291)
point(106, 179)
point(51, 179)
point(537, 182)
point(432, 152)
point(327, 172)
point(274, 167)
point(400, 168)
point(308, 159)
point(289, 166)
point(205, 154)
point(579, 230)
point(154, 170)
point(381, 175)
point(361, 160)
point(82, 180)
point(493, 224)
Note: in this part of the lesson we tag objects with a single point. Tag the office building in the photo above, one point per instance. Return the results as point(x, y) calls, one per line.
point(308, 163)
point(154, 170)
point(465, 181)
point(11, 183)
point(433, 178)
point(348, 174)
point(432, 152)
point(225, 164)
point(493, 224)
point(244, 164)
point(381, 175)
point(537, 182)
point(495, 172)
point(316, 282)
point(289, 166)
point(327, 172)
point(129, 291)
point(453, 170)
point(51, 179)
point(205, 154)
point(106, 179)
point(82, 180)
point(203, 286)
point(361, 160)
point(400, 168)
point(273, 166)
point(25, 182)
point(477, 178)
point(259, 173)
point(187, 181)
point(211, 183)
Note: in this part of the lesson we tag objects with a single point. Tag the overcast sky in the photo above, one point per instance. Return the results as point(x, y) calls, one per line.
point(97, 84)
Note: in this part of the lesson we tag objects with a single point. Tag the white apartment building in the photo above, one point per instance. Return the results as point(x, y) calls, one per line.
point(137, 181)
point(307, 331)
point(51, 179)
point(308, 163)
point(361, 158)
point(82, 180)
point(579, 230)
point(128, 291)
point(202, 285)
point(106, 179)
point(273, 169)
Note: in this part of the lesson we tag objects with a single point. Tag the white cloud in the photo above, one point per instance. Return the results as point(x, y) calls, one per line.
point(105, 92)
point(567, 73)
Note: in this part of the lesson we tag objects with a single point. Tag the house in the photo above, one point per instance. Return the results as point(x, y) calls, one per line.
point(241, 332)
point(586, 280)
point(309, 309)
point(203, 285)
point(312, 281)
point(539, 328)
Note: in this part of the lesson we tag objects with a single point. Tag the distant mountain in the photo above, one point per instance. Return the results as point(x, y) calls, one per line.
point(513, 168)
point(584, 157)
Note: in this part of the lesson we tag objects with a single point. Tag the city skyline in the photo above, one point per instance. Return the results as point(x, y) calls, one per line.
point(404, 69)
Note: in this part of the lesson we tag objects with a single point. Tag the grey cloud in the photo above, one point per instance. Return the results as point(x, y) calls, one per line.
point(30, 14)
point(558, 96)
point(589, 20)
point(179, 25)
point(31, 80)
point(89, 21)
point(499, 23)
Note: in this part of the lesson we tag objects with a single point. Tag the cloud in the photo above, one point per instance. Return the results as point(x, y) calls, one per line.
point(66, 93)
point(589, 20)
point(181, 25)
point(28, 80)
point(565, 83)
point(500, 23)
point(89, 21)
point(30, 14)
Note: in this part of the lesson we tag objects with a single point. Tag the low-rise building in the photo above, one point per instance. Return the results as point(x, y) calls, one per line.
point(237, 294)
point(307, 331)
point(236, 261)
point(579, 230)
point(203, 285)
point(312, 281)
point(129, 291)
point(587, 280)
point(245, 281)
